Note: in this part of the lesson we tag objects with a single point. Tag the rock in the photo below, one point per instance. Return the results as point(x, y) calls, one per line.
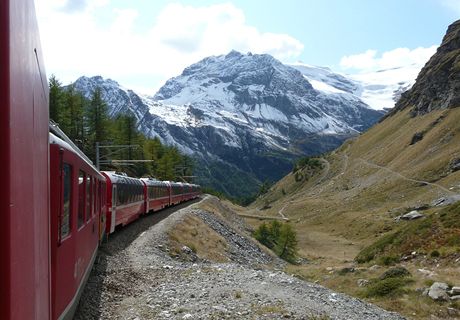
point(417, 137)
point(186, 250)
point(187, 316)
point(444, 201)
point(374, 267)
point(453, 298)
point(455, 290)
point(438, 291)
point(454, 164)
point(412, 215)
point(362, 282)
point(452, 312)
point(427, 273)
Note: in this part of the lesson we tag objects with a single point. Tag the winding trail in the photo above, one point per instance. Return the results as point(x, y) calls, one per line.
point(406, 178)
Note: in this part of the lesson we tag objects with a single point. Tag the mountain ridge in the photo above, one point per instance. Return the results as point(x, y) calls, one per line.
point(249, 113)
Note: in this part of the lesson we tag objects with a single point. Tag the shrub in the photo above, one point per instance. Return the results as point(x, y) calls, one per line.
point(454, 240)
point(385, 287)
point(388, 260)
point(435, 254)
point(396, 272)
point(369, 253)
point(345, 271)
point(312, 163)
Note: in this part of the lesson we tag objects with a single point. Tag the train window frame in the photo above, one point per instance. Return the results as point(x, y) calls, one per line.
point(66, 210)
point(81, 199)
point(95, 197)
point(88, 198)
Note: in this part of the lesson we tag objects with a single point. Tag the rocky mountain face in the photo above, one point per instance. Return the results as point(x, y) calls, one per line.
point(438, 84)
point(243, 117)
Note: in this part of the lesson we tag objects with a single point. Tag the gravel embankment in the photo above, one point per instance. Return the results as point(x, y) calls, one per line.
point(136, 278)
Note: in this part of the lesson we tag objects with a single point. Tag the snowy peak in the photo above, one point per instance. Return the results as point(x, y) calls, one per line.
point(244, 115)
point(236, 72)
point(324, 79)
point(118, 99)
point(256, 88)
point(380, 89)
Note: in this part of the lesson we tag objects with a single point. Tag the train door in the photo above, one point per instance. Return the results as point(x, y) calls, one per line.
point(63, 207)
point(114, 207)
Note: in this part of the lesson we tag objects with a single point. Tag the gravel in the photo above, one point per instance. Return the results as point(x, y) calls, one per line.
point(136, 278)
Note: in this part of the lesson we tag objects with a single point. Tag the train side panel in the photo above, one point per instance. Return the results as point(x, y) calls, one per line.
point(75, 216)
point(125, 200)
point(24, 208)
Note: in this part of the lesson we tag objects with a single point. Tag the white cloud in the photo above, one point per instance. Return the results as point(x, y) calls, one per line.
point(399, 57)
point(76, 43)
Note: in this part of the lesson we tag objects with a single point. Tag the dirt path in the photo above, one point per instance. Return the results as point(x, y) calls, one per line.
point(406, 178)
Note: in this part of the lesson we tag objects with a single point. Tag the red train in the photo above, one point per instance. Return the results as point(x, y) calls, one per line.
point(85, 206)
point(55, 206)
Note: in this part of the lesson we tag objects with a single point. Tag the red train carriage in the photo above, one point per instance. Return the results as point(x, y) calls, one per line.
point(125, 199)
point(196, 190)
point(24, 210)
point(176, 191)
point(193, 191)
point(157, 194)
point(77, 204)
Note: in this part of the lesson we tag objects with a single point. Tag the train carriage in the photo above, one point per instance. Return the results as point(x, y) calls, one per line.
point(125, 199)
point(24, 191)
point(157, 194)
point(77, 204)
point(176, 190)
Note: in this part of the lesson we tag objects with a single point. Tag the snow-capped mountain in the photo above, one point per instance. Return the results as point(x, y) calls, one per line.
point(244, 117)
point(379, 89)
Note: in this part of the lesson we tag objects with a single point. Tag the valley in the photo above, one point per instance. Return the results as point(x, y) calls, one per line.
point(372, 196)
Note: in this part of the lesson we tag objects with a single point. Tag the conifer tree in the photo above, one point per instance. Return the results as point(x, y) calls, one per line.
point(286, 246)
point(55, 99)
point(96, 121)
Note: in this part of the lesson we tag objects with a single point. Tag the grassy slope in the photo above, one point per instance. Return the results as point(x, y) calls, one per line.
point(351, 204)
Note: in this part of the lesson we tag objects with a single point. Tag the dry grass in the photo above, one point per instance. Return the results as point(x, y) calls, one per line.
point(195, 234)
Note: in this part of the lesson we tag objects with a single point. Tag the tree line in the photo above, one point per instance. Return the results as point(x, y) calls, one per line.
point(87, 121)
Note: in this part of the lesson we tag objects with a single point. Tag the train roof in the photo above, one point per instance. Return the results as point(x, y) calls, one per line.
point(53, 139)
point(119, 178)
point(153, 182)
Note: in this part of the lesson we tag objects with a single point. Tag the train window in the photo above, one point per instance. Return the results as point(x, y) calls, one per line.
point(88, 198)
point(81, 198)
point(65, 219)
point(94, 197)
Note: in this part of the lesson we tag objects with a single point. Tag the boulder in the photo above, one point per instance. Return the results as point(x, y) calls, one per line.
point(455, 298)
point(362, 282)
point(412, 215)
point(455, 164)
point(455, 291)
point(438, 291)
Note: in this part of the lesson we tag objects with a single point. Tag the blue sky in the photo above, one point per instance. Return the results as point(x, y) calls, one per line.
point(141, 43)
